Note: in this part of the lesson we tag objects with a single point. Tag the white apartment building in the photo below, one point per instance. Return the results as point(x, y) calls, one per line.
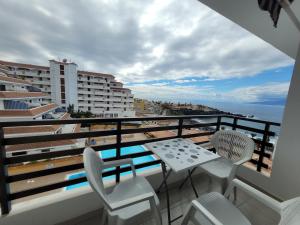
point(19, 100)
point(65, 85)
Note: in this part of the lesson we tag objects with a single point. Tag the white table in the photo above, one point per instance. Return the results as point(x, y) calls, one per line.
point(180, 155)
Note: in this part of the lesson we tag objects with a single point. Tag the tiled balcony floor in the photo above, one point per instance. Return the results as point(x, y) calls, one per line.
point(257, 213)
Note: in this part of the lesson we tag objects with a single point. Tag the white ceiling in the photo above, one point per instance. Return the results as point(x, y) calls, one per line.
point(247, 14)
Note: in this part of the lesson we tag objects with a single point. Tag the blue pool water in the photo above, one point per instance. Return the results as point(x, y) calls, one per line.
point(112, 153)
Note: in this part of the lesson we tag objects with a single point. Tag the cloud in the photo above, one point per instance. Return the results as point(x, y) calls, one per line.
point(172, 92)
point(185, 81)
point(182, 93)
point(160, 84)
point(138, 41)
point(259, 93)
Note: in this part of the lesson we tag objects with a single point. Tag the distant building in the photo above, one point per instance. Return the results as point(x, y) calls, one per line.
point(19, 100)
point(140, 105)
point(64, 85)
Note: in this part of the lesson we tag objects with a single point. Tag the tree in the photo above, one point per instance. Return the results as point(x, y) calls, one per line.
point(70, 109)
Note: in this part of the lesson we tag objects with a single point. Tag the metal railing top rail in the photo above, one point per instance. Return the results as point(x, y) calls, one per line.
point(253, 120)
point(125, 119)
point(100, 120)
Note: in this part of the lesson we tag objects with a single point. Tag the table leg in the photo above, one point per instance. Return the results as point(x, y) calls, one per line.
point(192, 183)
point(163, 182)
point(187, 177)
point(164, 169)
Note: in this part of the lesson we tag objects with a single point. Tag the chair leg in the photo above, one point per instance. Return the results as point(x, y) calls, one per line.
point(223, 186)
point(209, 183)
point(188, 215)
point(157, 216)
point(103, 220)
point(156, 213)
point(234, 194)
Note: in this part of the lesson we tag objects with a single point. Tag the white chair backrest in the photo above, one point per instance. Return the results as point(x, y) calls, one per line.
point(290, 214)
point(93, 166)
point(233, 145)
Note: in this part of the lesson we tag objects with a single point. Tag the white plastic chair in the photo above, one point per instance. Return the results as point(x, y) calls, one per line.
point(214, 208)
point(130, 201)
point(235, 149)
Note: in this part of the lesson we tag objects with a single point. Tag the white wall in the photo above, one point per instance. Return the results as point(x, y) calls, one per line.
point(284, 182)
point(71, 89)
point(1, 105)
point(55, 82)
point(286, 169)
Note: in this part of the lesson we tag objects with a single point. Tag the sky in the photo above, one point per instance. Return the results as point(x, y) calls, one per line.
point(164, 50)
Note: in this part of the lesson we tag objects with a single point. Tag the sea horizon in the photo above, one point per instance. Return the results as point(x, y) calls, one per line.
point(273, 113)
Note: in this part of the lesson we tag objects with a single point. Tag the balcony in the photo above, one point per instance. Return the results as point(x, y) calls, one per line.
point(16, 188)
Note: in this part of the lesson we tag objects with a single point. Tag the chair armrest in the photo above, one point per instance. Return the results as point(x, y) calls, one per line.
point(240, 162)
point(120, 163)
point(235, 167)
point(132, 201)
point(258, 195)
point(205, 213)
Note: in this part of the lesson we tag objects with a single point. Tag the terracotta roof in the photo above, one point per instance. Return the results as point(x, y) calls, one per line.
point(3, 67)
point(29, 113)
point(28, 129)
point(35, 129)
point(15, 94)
point(48, 144)
point(196, 139)
point(45, 128)
point(14, 80)
point(65, 116)
point(23, 65)
point(77, 128)
point(81, 72)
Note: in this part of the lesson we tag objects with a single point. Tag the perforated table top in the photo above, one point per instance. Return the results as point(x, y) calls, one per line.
point(181, 154)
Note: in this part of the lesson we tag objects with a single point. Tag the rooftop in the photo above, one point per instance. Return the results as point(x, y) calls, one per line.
point(22, 95)
point(31, 66)
point(14, 80)
point(28, 113)
point(23, 65)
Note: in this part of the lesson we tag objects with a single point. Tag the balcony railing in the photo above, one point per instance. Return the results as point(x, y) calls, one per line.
point(6, 179)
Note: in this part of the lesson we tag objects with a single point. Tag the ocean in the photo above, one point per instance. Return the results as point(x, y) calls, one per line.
point(272, 113)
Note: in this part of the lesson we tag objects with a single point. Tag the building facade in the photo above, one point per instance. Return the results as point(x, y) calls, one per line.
point(19, 100)
point(65, 85)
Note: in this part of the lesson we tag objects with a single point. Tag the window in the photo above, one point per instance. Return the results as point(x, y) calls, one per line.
point(61, 67)
point(19, 153)
point(45, 150)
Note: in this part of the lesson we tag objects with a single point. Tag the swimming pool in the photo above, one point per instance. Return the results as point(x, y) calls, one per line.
point(112, 153)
